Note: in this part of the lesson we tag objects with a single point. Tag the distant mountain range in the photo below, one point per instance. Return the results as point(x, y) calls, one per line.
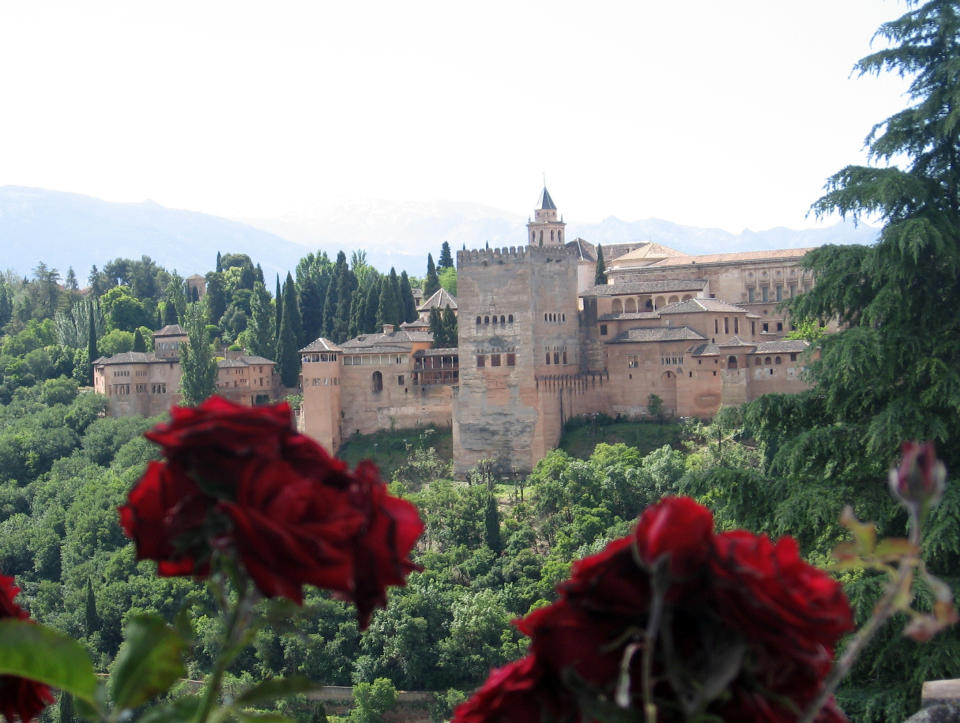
point(70, 230)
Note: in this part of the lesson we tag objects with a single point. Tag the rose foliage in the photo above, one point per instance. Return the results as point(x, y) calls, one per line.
point(240, 481)
point(681, 619)
point(19, 697)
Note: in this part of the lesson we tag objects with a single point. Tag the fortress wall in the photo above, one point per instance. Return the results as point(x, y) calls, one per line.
point(396, 406)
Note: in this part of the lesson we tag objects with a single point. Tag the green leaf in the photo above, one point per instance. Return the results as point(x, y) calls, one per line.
point(63, 663)
point(182, 710)
point(277, 688)
point(149, 661)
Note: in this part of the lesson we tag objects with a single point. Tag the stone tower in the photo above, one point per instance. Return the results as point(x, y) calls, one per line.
point(545, 229)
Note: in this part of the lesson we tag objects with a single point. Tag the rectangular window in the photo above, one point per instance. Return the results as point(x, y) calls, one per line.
point(603, 330)
point(750, 294)
point(779, 293)
point(511, 360)
point(494, 360)
point(400, 380)
point(481, 361)
point(764, 296)
point(766, 326)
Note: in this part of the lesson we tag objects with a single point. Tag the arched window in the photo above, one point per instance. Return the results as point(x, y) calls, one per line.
point(630, 306)
point(486, 320)
point(731, 362)
point(778, 360)
point(563, 317)
point(756, 361)
point(510, 318)
point(564, 357)
point(503, 319)
point(548, 357)
point(560, 236)
point(479, 320)
point(551, 234)
point(617, 306)
point(556, 357)
point(377, 382)
point(766, 361)
point(494, 318)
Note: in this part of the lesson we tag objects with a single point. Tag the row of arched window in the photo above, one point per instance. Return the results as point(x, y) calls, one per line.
point(487, 319)
point(554, 318)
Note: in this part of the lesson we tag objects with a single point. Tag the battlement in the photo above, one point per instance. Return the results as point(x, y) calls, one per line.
point(513, 254)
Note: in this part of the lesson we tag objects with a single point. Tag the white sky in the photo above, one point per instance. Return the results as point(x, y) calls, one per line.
point(707, 113)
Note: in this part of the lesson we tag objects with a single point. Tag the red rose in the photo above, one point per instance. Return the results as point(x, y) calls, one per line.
point(291, 530)
point(166, 516)
point(521, 692)
point(676, 527)
point(19, 697)
point(239, 478)
point(766, 591)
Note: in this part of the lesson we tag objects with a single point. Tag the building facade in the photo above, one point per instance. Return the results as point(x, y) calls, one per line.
point(148, 383)
point(540, 343)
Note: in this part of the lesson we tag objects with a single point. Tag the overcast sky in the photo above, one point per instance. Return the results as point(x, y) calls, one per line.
point(727, 114)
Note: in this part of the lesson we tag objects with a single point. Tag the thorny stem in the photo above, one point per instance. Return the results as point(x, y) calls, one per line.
point(884, 609)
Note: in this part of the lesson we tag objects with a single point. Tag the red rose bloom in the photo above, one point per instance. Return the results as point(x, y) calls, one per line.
point(20, 698)
point(521, 692)
point(743, 621)
point(240, 478)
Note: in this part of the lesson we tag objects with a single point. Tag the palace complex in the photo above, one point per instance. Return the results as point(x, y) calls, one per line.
point(539, 343)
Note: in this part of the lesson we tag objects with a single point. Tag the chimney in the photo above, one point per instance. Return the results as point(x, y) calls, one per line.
point(388, 328)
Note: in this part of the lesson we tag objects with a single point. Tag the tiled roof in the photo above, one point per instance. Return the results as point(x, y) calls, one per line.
point(131, 357)
point(170, 330)
point(708, 349)
point(440, 299)
point(783, 345)
point(416, 325)
point(629, 316)
point(775, 254)
point(584, 250)
point(646, 287)
point(231, 363)
point(647, 255)
point(693, 306)
point(735, 341)
point(254, 359)
point(320, 344)
point(657, 333)
point(397, 340)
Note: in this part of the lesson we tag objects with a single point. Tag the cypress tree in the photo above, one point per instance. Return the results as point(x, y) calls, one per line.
point(219, 263)
point(449, 321)
point(158, 321)
point(138, 343)
point(600, 278)
point(198, 378)
point(398, 315)
point(431, 283)
point(169, 313)
point(290, 297)
point(278, 317)
point(262, 334)
point(91, 617)
point(91, 341)
point(288, 355)
point(406, 298)
point(370, 308)
point(491, 523)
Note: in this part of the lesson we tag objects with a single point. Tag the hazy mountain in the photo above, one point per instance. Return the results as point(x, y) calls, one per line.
point(67, 229)
point(401, 233)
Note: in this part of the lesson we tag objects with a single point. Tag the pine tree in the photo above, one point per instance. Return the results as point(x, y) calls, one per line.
point(600, 278)
point(71, 280)
point(406, 298)
point(446, 258)
point(288, 354)
point(138, 343)
point(198, 378)
point(431, 283)
point(260, 275)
